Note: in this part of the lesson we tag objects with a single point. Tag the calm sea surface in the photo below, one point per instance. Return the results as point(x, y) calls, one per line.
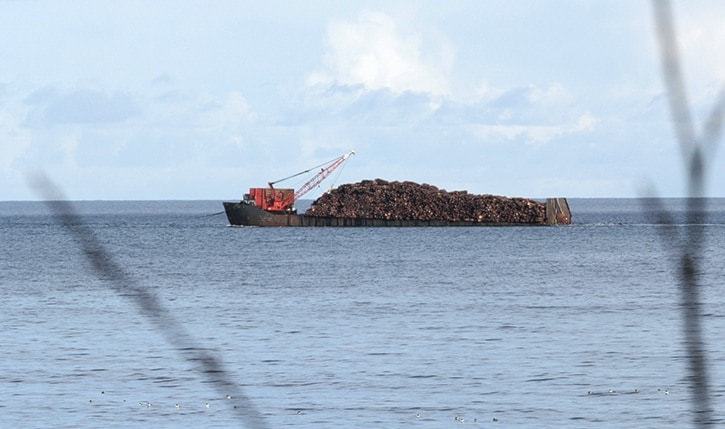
point(355, 328)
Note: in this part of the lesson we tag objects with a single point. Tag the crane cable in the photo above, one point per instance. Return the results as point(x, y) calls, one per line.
point(337, 176)
point(306, 171)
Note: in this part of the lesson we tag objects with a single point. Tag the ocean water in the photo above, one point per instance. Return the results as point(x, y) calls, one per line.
point(575, 326)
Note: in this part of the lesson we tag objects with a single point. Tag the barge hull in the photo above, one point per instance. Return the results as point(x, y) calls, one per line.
point(244, 214)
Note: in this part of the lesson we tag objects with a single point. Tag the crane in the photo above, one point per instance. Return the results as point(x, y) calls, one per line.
point(282, 200)
point(322, 175)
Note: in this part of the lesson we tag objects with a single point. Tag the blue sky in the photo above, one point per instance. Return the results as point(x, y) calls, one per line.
point(202, 100)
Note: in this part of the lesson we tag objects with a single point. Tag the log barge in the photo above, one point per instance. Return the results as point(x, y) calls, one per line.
point(247, 214)
point(378, 203)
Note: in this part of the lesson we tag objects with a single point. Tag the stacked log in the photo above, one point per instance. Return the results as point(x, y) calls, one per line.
point(380, 199)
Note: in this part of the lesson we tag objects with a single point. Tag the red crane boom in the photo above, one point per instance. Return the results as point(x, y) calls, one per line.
point(280, 200)
point(322, 175)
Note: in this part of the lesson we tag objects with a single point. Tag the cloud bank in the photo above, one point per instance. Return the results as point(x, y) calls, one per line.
point(494, 98)
point(375, 52)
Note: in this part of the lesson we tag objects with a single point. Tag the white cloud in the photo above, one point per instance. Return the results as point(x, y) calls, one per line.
point(377, 53)
point(550, 96)
point(189, 109)
point(68, 145)
point(51, 107)
point(586, 122)
point(701, 35)
point(229, 111)
point(532, 114)
point(484, 92)
point(533, 134)
point(14, 140)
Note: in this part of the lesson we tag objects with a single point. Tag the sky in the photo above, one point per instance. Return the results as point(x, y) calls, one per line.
point(198, 100)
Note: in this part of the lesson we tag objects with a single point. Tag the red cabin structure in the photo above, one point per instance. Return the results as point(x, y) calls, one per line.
point(272, 199)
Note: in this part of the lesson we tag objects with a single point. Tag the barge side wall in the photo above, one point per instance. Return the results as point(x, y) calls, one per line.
point(241, 214)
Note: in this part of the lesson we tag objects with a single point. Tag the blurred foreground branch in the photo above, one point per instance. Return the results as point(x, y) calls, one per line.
point(688, 246)
point(145, 301)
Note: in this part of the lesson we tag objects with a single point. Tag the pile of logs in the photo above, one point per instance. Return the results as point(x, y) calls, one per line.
point(380, 199)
